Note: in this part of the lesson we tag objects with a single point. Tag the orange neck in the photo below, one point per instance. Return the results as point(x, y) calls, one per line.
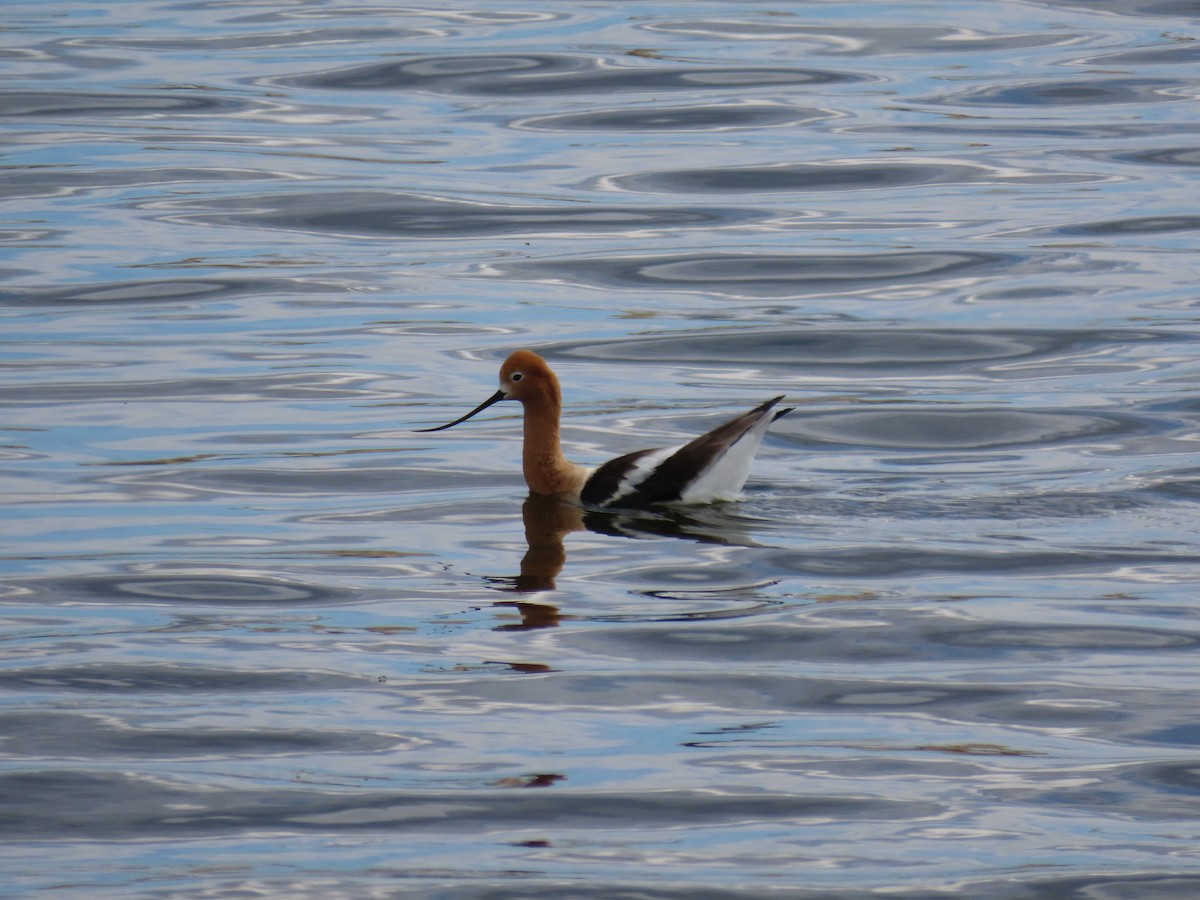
point(547, 471)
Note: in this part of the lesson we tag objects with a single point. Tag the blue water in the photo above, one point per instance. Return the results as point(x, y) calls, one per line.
point(262, 639)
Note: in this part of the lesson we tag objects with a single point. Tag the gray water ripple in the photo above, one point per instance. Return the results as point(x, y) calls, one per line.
point(126, 104)
point(67, 181)
point(1014, 638)
point(909, 635)
point(103, 737)
point(1182, 9)
point(1183, 886)
point(385, 214)
point(268, 480)
point(964, 568)
point(108, 805)
point(1100, 886)
point(162, 290)
point(1163, 55)
point(763, 275)
point(1133, 226)
point(862, 40)
point(548, 74)
point(1066, 130)
point(850, 176)
point(1036, 505)
point(112, 678)
point(227, 588)
point(909, 561)
point(1181, 156)
point(1182, 485)
point(1152, 791)
point(460, 16)
point(957, 429)
point(862, 349)
point(722, 688)
point(1183, 735)
point(711, 117)
point(274, 40)
point(1079, 93)
point(695, 673)
point(239, 388)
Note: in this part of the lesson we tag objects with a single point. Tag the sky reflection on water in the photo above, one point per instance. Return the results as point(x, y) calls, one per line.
point(260, 636)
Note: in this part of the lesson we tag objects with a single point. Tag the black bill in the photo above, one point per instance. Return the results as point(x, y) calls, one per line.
point(495, 398)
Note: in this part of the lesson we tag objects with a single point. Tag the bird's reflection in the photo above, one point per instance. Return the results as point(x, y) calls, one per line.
point(548, 520)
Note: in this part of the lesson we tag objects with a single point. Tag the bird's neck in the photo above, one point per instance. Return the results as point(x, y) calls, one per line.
point(547, 471)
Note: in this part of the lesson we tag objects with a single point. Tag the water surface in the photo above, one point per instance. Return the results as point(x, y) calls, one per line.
point(261, 637)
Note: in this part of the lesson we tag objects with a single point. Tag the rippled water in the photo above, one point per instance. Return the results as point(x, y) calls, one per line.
point(262, 639)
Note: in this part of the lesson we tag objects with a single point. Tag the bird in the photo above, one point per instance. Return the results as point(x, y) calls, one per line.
point(711, 467)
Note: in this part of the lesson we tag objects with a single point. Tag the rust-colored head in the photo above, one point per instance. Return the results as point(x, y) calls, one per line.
point(524, 376)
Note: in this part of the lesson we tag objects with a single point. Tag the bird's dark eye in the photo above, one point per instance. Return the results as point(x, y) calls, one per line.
point(516, 376)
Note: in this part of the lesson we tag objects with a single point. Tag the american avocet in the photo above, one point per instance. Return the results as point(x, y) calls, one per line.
point(711, 467)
